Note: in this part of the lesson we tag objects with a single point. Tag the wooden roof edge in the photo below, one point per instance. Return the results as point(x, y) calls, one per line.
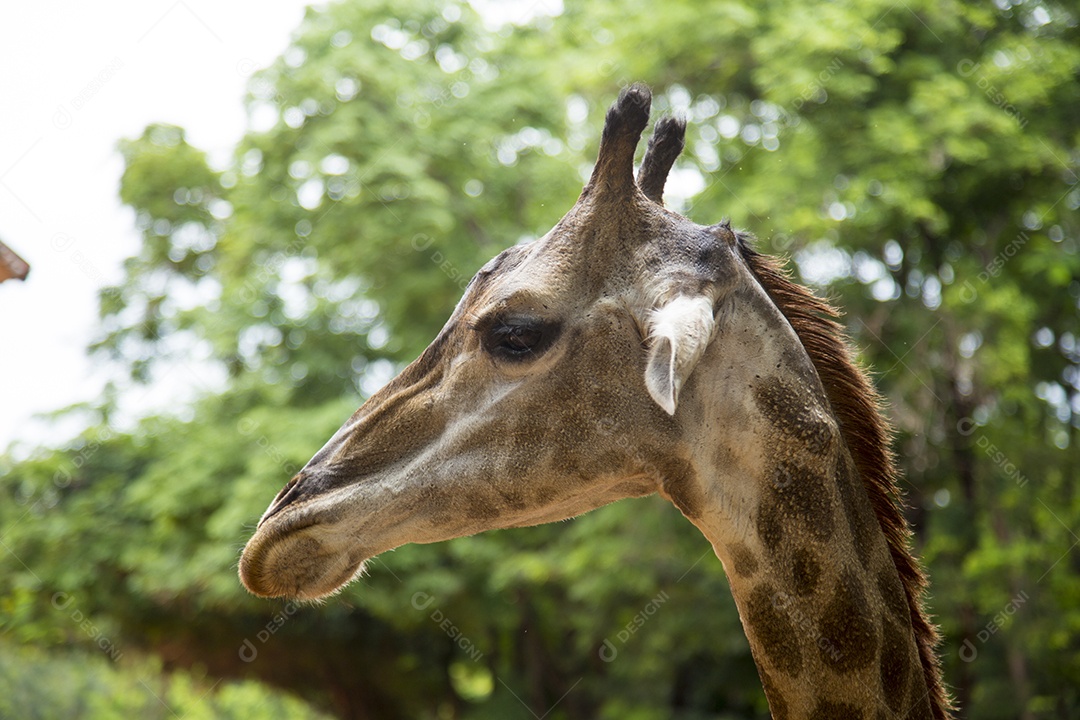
point(12, 267)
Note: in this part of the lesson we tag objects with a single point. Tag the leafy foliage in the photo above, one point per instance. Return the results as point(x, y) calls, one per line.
point(917, 160)
point(36, 685)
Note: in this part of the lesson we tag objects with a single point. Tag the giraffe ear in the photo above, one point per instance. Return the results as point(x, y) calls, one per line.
point(679, 332)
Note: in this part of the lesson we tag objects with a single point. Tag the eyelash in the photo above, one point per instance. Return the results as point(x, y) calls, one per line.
point(517, 340)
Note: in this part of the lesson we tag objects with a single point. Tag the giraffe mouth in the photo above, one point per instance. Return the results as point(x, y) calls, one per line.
point(302, 559)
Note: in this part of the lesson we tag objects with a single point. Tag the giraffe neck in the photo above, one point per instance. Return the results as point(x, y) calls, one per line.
point(777, 494)
point(825, 615)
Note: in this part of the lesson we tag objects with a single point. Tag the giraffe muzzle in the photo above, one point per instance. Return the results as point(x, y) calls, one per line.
point(292, 492)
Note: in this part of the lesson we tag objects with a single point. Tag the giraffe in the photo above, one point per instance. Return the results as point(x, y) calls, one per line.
point(630, 351)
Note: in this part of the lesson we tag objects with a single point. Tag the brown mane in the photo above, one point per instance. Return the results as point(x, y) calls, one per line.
point(857, 407)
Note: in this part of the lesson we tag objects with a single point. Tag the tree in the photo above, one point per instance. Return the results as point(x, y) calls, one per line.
point(918, 161)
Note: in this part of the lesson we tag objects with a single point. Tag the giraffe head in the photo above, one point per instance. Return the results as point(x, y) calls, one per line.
point(553, 389)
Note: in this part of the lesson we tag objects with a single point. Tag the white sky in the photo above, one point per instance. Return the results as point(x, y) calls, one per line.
point(75, 77)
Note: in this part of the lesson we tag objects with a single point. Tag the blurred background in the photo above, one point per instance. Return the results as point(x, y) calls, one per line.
point(296, 219)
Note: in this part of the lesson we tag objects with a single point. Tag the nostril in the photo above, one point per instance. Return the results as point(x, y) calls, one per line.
point(288, 486)
point(288, 494)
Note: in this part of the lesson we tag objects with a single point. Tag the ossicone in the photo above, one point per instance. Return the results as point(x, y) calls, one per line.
point(665, 145)
point(626, 119)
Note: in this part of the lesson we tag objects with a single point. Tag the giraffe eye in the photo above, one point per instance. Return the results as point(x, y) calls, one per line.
point(519, 339)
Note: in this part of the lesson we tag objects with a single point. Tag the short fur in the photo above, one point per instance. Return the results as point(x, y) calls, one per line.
point(376, 485)
point(857, 407)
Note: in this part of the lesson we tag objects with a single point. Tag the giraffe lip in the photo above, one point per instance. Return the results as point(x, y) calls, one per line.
point(298, 558)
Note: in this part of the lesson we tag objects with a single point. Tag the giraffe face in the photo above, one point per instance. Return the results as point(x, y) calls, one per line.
point(552, 389)
point(530, 406)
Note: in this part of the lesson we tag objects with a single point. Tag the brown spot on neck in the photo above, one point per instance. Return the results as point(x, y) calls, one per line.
point(918, 701)
point(803, 494)
point(892, 594)
point(805, 572)
point(848, 627)
point(773, 630)
point(743, 561)
point(829, 710)
point(793, 415)
point(895, 664)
